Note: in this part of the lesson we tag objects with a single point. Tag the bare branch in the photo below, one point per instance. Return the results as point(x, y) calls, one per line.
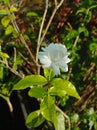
point(40, 31)
point(41, 38)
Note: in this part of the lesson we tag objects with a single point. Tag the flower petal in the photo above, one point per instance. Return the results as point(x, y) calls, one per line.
point(45, 61)
point(67, 60)
point(63, 66)
point(56, 69)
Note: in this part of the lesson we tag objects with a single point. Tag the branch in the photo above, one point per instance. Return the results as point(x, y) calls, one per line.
point(13, 71)
point(41, 38)
point(14, 23)
point(40, 31)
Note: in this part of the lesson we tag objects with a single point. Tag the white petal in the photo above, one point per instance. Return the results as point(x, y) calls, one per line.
point(63, 66)
point(56, 69)
point(45, 61)
point(67, 60)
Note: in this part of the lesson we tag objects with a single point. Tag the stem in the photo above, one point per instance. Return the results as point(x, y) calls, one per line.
point(10, 106)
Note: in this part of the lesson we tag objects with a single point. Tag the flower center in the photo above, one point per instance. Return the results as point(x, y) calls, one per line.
point(57, 56)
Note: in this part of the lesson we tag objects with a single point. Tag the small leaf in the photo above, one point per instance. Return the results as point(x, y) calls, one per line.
point(4, 55)
point(74, 118)
point(5, 21)
point(47, 108)
point(3, 12)
point(60, 124)
point(34, 14)
point(57, 91)
point(13, 9)
point(65, 85)
point(49, 74)
point(29, 81)
point(37, 92)
point(1, 71)
point(34, 119)
point(9, 30)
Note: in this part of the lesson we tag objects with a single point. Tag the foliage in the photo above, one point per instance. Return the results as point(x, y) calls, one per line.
point(26, 26)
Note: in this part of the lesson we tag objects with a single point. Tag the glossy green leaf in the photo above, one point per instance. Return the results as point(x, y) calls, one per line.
point(34, 14)
point(57, 91)
point(37, 92)
point(47, 108)
point(5, 21)
point(4, 55)
point(3, 12)
point(49, 74)
point(1, 71)
point(6, 1)
point(13, 9)
point(60, 124)
point(9, 30)
point(65, 85)
point(34, 119)
point(29, 81)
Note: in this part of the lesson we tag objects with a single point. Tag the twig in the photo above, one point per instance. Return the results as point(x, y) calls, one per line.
point(76, 40)
point(41, 38)
point(40, 31)
point(51, 18)
point(10, 106)
point(13, 71)
point(67, 117)
point(14, 55)
point(14, 23)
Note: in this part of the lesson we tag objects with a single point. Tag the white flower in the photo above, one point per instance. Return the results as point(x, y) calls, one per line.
point(54, 56)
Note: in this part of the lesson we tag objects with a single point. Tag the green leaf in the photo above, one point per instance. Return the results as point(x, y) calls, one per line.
point(6, 1)
point(81, 10)
point(29, 81)
point(34, 119)
point(4, 55)
point(3, 12)
point(34, 14)
point(65, 85)
point(9, 30)
point(60, 124)
point(57, 91)
point(5, 21)
point(47, 108)
point(13, 9)
point(74, 118)
point(49, 74)
point(37, 92)
point(1, 71)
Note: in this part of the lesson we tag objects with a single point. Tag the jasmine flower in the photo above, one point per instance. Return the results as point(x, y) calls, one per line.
point(54, 56)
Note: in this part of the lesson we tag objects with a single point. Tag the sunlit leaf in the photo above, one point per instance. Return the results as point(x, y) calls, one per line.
point(66, 86)
point(13, 9)
point(37, 92)
point(5, 21)
point(30, 80)
point(3, 12)
point(47, 108)
point(60, 124)
point(4, 55)
point(34, 119)
point(57, 91)
point(9, 30)
point(1, 71)
point(34, 14)
point(49, 74)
